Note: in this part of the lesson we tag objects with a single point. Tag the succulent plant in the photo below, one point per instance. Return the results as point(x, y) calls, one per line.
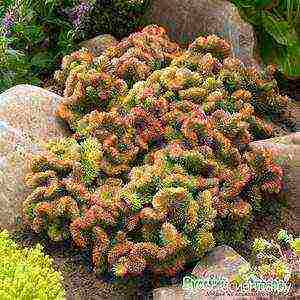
point(160, 161)
point(275, 259)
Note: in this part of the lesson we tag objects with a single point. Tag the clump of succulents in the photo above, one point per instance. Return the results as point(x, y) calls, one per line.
point(160, 160)
point(97, 83)
point(277, 259)
point(27, 273)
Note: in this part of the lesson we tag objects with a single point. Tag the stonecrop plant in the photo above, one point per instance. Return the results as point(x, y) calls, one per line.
point(159, 162)
point(27, 273)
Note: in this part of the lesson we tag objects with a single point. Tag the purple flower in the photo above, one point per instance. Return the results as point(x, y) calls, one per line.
point(79, 12)
point(8, 22)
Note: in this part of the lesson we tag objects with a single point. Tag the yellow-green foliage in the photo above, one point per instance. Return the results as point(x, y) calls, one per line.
point(274, 259)
point(27, 274)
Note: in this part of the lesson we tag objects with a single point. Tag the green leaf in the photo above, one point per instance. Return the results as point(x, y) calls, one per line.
point(280, 30)
point(60, 22)
point(289, 61)
point(291, 8)
point(41, 60)
point(28, 34)
point(267, 47)
point(35, 81)
point(286, 57)
point(262, 3)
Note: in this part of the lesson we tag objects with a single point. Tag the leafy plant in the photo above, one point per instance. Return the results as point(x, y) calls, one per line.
point(37, 34)
point(27, 273)
point(15, 66)
point(277, 25)
point(275, 259)
point(118, 17)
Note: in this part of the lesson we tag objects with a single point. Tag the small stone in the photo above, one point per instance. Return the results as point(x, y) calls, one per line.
point(99, 44)
point(220, 261)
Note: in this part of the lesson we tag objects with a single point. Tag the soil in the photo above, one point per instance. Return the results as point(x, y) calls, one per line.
point(80, 282)
point(291, 87)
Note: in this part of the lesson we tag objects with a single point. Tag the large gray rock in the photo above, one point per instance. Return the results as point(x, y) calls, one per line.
point(286, 150)
point(221, 261)
point(187, 19)
point(26, 122)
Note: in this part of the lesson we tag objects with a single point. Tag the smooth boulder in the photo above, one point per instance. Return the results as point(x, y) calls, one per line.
point(286, 150)
point(188, 19)
point(27, 121)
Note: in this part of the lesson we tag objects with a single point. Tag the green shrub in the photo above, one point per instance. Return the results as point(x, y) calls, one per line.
point(27, 274)
point(118, 17)
point(277, 26)
point(35, 35)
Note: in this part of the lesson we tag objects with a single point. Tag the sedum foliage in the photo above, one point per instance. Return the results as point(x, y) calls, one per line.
point(160, 160)
point(27, 273)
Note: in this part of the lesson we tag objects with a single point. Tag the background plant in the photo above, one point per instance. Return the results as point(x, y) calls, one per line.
point(37, 34)
point(277, 26)
point(27, 273)
point(275, 259)
point(118, 17)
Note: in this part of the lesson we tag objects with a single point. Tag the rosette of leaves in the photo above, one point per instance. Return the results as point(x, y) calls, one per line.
point(27, 273)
